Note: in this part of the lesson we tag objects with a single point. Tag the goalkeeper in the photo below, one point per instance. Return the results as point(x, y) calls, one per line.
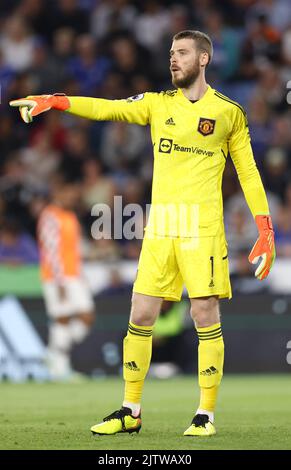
point(194, 128)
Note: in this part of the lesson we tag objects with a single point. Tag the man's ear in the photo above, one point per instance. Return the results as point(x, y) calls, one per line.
point(204, 59)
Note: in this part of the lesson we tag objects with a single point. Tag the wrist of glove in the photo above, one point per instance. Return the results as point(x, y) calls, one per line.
point(36, 104)
point(264, 247)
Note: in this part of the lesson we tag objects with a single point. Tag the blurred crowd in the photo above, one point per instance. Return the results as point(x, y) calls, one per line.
point(115, 49)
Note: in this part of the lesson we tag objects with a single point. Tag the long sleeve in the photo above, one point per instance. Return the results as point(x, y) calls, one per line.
point(242, 156)
point(136, 109)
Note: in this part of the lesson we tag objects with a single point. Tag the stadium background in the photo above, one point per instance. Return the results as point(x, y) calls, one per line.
point(115, 49)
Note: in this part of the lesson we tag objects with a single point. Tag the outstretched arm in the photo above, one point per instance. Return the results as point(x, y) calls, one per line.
point(136, 109)
point(242, 155)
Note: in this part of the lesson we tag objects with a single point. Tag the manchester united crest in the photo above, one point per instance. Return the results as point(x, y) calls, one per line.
point(206, 126)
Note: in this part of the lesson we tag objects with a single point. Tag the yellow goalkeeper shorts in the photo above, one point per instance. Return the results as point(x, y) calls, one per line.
point(166, 264)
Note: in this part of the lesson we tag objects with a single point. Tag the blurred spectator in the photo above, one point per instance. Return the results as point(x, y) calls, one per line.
point(286, 56)
point(69, 14)
point(37, 14)
point(270, 87)
point(114, 87)
point(152, 24)
point(129, 59)
point(6, 75)
point(45, 72)
point(16, 246)
point(76, 152)
point(97, 188)
point(260, 125)
point(283, 225)
point(178, 21)
point(123, 146)
point(243, 280)
point(276, 174)
point(281, 135)
point(110, 16)
point(287, 197)
point(21, 85)
point(116, 284)
point(119, 48)
point(40, 162)
point(104, 249)
point(286, 45)
point(277, 12)
point(87, 68)
point(199, 11)
point(240, 227)
point(9, 139)
point(17, 44)
point(140, 84)
point(133, 218)
point(226, 43)
point(283, 232)
point(35, 207)
point(63, 45)
point(15, 193)
point(52, 126)
point(261, 45)
point(7, 7)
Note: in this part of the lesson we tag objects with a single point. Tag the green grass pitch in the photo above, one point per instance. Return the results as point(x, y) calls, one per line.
point(254, 412)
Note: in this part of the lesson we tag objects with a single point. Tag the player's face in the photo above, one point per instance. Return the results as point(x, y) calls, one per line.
point(184, 63)
point(70, 195)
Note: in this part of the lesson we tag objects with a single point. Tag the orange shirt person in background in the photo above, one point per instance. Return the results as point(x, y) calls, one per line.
point(67, 297)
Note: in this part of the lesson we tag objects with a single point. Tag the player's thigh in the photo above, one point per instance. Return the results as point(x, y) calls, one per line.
point(57, 306)
point(158, 273)
point(203, 263)
point(77, 299)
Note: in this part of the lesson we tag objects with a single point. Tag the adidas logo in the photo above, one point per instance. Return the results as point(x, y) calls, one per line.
point(170, 122)
point(211, 284)
point(131, 366)
point(209, 371)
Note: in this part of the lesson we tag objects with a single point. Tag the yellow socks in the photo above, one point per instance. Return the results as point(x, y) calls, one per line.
point(137, 352)
point(208, 398)
point(210, 366)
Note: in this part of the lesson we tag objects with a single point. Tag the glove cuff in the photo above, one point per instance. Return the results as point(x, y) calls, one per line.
point(264, 222)
point(60, 101)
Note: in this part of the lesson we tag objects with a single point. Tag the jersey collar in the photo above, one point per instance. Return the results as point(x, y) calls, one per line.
point(185, 100)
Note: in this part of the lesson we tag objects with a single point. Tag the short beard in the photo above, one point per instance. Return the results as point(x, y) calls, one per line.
point(189, 79)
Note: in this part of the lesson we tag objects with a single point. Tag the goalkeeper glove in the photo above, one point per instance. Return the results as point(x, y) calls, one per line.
point(264, 247)
point(33, 105)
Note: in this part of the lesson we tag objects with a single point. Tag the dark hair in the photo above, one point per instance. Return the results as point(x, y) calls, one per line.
point(202, 41)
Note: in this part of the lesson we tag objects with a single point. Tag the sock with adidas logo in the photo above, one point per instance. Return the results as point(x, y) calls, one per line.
point(137, 352)
point(210, 366)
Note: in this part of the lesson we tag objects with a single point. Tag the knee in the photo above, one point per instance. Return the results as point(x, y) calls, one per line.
point(141, 313)
point(87, 318)
point(201, 317)
point(62, 320)
point(205, 313)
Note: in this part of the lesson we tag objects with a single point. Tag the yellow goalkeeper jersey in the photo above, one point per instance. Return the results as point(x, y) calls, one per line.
point(191, 142)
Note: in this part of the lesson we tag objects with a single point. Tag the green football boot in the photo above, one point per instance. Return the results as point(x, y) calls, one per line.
point(119, 421)
point(200, 426)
